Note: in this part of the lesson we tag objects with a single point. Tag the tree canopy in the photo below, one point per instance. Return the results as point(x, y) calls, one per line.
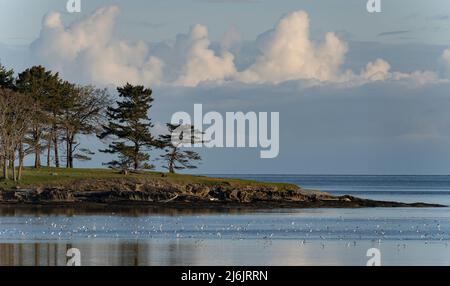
point(43, 115)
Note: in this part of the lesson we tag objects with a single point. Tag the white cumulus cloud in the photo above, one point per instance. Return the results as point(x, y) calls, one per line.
point(87, 51)
point(290, 54)
point(377, 70)
point(200, 63)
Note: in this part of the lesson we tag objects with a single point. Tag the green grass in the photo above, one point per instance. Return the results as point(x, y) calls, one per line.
point(58, 176)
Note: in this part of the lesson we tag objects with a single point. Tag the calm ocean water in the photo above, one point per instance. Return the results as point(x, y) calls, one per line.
point(273, 237)
point(431, 189)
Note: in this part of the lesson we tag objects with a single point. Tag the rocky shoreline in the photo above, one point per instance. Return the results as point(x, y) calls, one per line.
point(160, 193)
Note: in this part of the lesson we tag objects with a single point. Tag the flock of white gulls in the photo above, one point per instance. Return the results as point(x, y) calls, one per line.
point(27, 229)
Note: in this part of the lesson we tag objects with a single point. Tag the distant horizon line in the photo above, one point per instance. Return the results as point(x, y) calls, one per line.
point(267, 174)
point(337, 175)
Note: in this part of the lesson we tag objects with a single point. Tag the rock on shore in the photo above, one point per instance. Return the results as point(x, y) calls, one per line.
point(163, 193)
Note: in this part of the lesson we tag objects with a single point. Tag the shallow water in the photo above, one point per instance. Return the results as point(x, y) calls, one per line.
point(275, 237)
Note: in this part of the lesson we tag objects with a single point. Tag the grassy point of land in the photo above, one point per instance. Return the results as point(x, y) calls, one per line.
point(42, 177)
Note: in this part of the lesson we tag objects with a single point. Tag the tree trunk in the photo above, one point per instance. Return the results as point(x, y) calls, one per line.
point(70, 141)
point(172, 161)
point(21, 160)
point(55, 139)
point(5, 167)
point(71, 156)
point(171, 169)
point(37, 148)
point(13, 165)
point(55, 143)
point(67, 151)
point(49, 152)
point(71, 161)
point(37, 157)
point(136, 156)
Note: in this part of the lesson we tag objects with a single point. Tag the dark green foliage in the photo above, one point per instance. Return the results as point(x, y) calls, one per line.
point(129, 126)
point(42, 86)
point(40, 111)
point(7, 79)
point(172, 143)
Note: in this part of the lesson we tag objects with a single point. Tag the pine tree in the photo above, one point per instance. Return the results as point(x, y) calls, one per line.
point(172, 143)
point(129, 126)
point(42, 86)
point(7, 79)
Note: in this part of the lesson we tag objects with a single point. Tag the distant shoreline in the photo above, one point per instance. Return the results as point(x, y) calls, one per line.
point(339, 204)
point(91, 188)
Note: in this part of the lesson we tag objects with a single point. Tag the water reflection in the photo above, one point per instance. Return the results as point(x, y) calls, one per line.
point(193, 253)
point(135, 211)
point(32, 254)
point(108, 254)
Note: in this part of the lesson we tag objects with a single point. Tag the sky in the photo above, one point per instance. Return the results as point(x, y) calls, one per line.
point(357, 93)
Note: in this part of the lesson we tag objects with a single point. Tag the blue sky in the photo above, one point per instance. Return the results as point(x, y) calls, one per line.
point(357, 93)
point(420, 21)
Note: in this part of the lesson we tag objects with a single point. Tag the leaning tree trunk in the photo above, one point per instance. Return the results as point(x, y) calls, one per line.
point(55, 140)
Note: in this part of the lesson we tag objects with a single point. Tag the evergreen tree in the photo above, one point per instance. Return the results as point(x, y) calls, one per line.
point(172, 143)
point(129, 126)
point(41, 85)
point(7, 79)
